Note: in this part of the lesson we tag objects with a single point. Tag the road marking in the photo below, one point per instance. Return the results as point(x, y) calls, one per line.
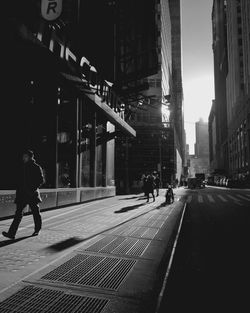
point(200, 199)
point(222, 198)
point(235, 200)
point(210, 198)
point(189, 199)
point(242, 197)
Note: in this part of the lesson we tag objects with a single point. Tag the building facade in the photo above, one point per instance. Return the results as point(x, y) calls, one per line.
point(201, 134)
point(220, 51)
point(212, 138)
point(238, 92)
point(58, 104)
point(234, 17)
point(157, 146)
point(199, 162)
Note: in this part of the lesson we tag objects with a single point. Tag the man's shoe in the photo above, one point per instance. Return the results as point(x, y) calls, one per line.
point(36, 233)
point(7, 235)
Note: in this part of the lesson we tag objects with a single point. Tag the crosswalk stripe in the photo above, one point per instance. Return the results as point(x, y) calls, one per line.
point(189, 199)
point(210, 198)
point(200, 199)
point(233, 198)
point(242, 197)
point(222, 198)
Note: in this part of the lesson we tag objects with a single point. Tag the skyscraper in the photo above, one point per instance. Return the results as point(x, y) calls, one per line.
point(157, 115)
point(231, 45)
point(201, 134)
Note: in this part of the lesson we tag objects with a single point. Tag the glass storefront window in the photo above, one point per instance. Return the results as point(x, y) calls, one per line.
point(110, 169)
point(100, 152)
point(85, 141)
point(66, 139)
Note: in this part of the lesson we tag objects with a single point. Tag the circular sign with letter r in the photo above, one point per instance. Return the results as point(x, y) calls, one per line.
point(51, 9)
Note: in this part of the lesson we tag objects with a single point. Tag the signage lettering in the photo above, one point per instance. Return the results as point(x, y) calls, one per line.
point(101, 87)
point(51, 9)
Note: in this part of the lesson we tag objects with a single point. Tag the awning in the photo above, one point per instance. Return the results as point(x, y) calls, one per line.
point(112, 116)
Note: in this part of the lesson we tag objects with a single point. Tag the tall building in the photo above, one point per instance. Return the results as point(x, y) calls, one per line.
point(60, 100)
point(199, 162)
point(155, 113)
point(177, 105)
point(231, 43)
point(201, 135)
point(238, 88)
point(219, 20)
point(212, 138)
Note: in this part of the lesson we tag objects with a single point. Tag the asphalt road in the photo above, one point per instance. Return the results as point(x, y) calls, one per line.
point(210, 269)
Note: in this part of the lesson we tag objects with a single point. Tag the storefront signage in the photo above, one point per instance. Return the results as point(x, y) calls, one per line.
point(89, 73)
point(51, 9)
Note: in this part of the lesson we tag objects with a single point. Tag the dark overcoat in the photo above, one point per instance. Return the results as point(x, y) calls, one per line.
point(149, 185)
point(30, 178)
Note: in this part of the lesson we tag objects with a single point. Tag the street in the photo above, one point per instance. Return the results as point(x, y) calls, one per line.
point(210, 269)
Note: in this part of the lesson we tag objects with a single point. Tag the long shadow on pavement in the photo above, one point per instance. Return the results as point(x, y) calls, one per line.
point(8, 242)
point(77, 240)
point(130, 198)
point(129, 208)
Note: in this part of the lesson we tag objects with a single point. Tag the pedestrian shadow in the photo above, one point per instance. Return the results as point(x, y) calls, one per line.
point(129, 208)
point(130, 198)
point(65, 244)
point(142, 198)
point(162, 205)
point(76, 240)
point(8, 242)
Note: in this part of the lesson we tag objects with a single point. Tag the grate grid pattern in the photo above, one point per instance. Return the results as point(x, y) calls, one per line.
point(93, 271)
point(60, 270)
point(32, 299)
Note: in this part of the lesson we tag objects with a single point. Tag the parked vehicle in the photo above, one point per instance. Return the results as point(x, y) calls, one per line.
point(195, 183)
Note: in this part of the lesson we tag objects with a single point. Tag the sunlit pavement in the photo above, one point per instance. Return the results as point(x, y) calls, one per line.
point(104, 256)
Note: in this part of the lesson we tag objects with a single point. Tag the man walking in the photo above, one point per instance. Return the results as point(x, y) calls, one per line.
point(30, 178)
point(157, 184)
point(150, 185)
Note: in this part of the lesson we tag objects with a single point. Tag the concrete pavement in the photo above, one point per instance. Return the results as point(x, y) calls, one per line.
point(105, 256)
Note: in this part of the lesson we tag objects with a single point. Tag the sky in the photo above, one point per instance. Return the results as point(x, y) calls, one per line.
point(197, 64)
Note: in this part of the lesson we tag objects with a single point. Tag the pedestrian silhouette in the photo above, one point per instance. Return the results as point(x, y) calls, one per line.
point(169, 194)
point(157, 184)
point(29, 179)
point(149, 187)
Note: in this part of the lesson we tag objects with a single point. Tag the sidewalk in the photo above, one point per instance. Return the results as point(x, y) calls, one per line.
point(105, 256)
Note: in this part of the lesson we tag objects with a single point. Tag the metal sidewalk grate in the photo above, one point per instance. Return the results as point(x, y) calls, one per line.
point(105, 245)
point(100, 244)
point(94, 271)
point(116, 277)
point(71, 274)
point(132, 247)
point(33, 299)
point(125, 246)
point(153, 223)
point(132, 231)
point(70, 264)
